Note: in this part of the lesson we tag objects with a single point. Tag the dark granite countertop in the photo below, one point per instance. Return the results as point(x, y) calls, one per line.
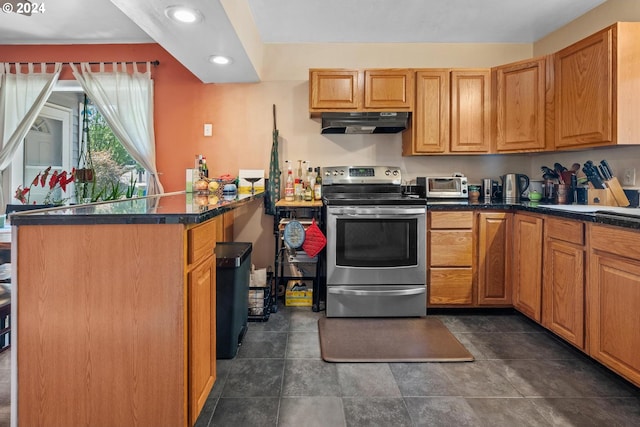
point(621, 217)
point(168, 208)
point(189, 208)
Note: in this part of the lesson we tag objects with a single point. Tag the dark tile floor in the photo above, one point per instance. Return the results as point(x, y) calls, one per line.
point(522, 376)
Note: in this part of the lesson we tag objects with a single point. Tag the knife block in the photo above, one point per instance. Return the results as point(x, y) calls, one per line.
point(618, 193)
point(600, 197)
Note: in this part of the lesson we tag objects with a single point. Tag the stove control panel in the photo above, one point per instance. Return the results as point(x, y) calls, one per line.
point(361, 175)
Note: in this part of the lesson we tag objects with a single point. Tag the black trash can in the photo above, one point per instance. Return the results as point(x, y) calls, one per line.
point(233, 270)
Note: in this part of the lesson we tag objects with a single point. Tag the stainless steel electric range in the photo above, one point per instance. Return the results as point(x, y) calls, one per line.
point(376, 244)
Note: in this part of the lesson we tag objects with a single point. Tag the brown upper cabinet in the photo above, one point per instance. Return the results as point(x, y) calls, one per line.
point(429, 133)
point(522, 92)
point(361, 90)
point(597, 88)
point(452, 113)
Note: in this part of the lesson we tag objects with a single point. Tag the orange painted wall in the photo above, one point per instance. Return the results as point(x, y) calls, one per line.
point(182, 101)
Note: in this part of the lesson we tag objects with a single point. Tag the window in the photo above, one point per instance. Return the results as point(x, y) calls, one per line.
point(116, 172)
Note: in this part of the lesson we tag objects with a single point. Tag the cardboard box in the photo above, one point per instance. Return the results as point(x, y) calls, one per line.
point(299, 293)
point(244, 186)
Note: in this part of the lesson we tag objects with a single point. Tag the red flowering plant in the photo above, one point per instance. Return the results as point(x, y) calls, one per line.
point(56, 180)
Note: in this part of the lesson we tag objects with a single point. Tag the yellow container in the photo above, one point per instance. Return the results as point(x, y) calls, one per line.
point(299, 293)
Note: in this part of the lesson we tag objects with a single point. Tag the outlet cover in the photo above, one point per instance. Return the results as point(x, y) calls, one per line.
point(208, 129)
point(629, 177)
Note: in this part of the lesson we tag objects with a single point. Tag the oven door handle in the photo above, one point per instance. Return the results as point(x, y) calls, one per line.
point(378, 211)
point(390, 292)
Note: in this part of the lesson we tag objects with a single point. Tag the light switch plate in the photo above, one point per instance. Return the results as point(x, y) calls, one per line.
point(208, 129)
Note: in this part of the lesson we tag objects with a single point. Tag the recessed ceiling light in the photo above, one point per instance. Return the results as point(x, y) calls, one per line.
point(183, 14)
point(220, 59)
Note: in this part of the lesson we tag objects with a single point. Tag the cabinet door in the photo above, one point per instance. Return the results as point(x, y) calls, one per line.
point(333, 90)
point(527, 265)
point(520, 106)
point(584, 92)
point(431, 116)
point(389, 89)
point(614, 322)
point(470, 111)
point(202, 334)
point(613, 298)
point(563, 290)
point(494, 249)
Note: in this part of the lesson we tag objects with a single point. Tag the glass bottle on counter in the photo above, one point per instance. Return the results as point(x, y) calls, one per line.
point(308, 193)
point(204, 169)
point(317, 187)
point(289, 191)
point(298, 186)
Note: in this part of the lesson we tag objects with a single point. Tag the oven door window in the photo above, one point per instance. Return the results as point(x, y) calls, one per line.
point(379, 242)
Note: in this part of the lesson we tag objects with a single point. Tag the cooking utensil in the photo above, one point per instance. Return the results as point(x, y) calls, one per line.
point(566, 176)
point(547, 170)
point(575, 168)
point(558, 168)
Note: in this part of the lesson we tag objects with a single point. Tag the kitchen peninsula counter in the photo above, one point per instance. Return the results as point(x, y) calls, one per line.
point(168, 208)
point(114, 311)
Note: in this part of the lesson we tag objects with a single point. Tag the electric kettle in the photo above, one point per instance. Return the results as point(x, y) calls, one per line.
point(513, 185)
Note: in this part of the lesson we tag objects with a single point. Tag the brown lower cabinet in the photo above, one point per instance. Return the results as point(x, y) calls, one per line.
point(468, 258)
point(117, 329)
point(494, 263)
point(563, 280)
point(579, 280)
point(527, 264)
point(450, 258)
point(613, 299)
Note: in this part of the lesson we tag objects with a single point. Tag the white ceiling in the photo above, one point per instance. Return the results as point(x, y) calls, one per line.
point(286, 21)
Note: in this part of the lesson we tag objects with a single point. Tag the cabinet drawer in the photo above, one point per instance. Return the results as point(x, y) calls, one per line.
point(449, 220)
point(450, 286)
point(201, 240)
point(451, 248)
point(566, 230)
point(615, 240)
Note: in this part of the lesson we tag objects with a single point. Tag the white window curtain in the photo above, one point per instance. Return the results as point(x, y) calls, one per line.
point(126, 102)
point(22, 96)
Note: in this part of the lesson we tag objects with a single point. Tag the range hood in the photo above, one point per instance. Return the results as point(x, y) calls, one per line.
point(358, 123)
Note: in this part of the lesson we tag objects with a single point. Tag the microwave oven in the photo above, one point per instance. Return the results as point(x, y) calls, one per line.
point(443, 187)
